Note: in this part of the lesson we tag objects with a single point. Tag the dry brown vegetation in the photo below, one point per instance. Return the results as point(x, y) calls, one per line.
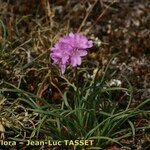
point(30, 28)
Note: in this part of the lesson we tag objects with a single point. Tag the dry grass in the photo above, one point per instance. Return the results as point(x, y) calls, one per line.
point(30, 81)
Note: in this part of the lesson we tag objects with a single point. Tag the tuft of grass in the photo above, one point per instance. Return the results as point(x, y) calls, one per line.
point(87, 111)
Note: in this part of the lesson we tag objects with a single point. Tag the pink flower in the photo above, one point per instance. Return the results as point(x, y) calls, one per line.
point(69, 50)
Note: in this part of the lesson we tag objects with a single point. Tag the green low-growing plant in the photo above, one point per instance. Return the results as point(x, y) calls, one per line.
point(89, 111)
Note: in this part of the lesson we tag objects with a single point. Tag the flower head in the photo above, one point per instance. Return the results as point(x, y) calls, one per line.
point(69, 50)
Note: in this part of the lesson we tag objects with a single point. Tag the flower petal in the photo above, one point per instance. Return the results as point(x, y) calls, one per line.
point(82, 52)
point(69, 50)
point(65, 59)
point(75, 60)
point(63, 68)
point(79, 60)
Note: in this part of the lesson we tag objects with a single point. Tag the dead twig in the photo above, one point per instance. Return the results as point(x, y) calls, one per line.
point(86, 16)
point(102, 14)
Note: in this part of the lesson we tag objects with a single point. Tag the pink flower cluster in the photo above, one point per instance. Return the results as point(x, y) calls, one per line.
point(69, 50)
